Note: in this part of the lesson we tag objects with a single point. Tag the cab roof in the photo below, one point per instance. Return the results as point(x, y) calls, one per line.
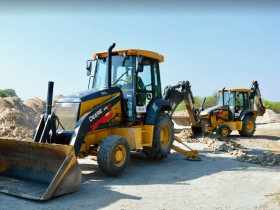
point(145, 53)
point(235, 90)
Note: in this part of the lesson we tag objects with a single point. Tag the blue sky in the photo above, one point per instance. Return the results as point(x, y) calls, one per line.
point(211, 45)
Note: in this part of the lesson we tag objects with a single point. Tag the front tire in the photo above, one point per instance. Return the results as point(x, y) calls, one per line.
point(223, 130)
point(248, 126)
point(162, 139)
point(113, 155)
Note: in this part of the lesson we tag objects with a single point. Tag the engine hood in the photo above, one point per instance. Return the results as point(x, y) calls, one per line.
point(88, 95)
point(206, 112)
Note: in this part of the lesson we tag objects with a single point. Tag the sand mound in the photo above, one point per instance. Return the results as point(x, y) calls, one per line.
point(268, 117)
point(55, 99)
point(18, 120)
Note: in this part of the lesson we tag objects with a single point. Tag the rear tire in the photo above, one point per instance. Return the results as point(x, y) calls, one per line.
point(223, 130)
point(162, 139)
point(113, 155)
point(248, 127)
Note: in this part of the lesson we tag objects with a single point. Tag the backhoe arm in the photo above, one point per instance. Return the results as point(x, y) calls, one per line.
point(256, 92)
point(176, 94)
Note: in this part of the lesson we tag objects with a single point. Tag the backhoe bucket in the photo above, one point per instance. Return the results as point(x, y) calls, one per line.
point(38, 171)
point(197, 132)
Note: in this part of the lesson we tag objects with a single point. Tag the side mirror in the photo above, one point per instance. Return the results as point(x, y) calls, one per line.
point(139, 63)
point(125, 59)
point(89, 65)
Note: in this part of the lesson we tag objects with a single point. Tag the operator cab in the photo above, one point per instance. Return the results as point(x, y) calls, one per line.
point(136, 73)
point(236, 99)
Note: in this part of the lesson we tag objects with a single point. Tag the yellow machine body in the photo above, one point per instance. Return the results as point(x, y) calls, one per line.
point(235, 111)
point(103, 121)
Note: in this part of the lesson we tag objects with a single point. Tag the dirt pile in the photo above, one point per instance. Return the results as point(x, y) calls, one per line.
point(18, 120)
point(269, 117)
point(186, 135)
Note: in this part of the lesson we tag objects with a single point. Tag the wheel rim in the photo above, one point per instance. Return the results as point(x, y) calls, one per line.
point(250, 126)
point(224, 132)
point(119, 155)
point(164, 136)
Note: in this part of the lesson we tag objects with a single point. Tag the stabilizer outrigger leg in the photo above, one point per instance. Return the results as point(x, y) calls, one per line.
point(191, 155)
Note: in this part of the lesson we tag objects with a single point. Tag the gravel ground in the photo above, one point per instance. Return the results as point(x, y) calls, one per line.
point(219, 181)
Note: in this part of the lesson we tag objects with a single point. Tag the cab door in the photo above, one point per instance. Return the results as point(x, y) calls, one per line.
point(148, 86)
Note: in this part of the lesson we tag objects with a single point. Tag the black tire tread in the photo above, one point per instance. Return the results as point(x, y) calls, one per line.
point(157, 152)
point(105, 152)
point(219, 130)
point(244, 131)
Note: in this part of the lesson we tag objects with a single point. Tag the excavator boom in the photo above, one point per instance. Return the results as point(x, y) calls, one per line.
point(182, 92)
point(256, 94)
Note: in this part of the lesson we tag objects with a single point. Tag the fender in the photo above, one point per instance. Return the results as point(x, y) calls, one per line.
point(88, 120)
point(246, 112)
point(155, 107)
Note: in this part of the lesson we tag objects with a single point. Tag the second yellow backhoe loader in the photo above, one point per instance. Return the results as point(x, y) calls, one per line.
point(123, 110)
point(234, 111)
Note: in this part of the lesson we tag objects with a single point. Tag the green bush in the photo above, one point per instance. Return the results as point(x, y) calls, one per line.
point(8, 93)
point(275, 106)
point(209, 102)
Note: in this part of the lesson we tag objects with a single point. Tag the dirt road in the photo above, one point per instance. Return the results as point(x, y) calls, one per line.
point(219, 181)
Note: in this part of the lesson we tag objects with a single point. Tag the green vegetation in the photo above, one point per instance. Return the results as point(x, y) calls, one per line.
point(275, 106)
point(8, 93)
point(209, 102)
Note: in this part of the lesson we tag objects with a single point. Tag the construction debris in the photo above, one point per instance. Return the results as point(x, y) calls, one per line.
point(217, 143)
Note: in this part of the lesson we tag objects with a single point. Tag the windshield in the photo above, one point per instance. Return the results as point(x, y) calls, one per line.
point(229, 98)
point(121, 68)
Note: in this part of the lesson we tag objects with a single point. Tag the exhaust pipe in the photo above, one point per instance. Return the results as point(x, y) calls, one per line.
point(49, 98)
point(224, 96)
point(109, 66)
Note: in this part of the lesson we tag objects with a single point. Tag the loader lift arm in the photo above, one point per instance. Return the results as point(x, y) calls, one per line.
point(256, 93)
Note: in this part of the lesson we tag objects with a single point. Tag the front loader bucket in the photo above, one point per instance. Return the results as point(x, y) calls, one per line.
point(38, 171)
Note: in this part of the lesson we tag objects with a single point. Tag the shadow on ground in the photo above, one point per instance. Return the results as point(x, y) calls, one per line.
point(100, 191)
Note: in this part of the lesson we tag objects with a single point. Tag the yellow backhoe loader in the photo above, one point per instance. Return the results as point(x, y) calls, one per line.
point(234, 111)
point(122, 111)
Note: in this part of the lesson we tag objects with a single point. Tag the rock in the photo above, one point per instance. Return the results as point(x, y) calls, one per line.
point(255, 157)
point(277, 157)
point(260, 158)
